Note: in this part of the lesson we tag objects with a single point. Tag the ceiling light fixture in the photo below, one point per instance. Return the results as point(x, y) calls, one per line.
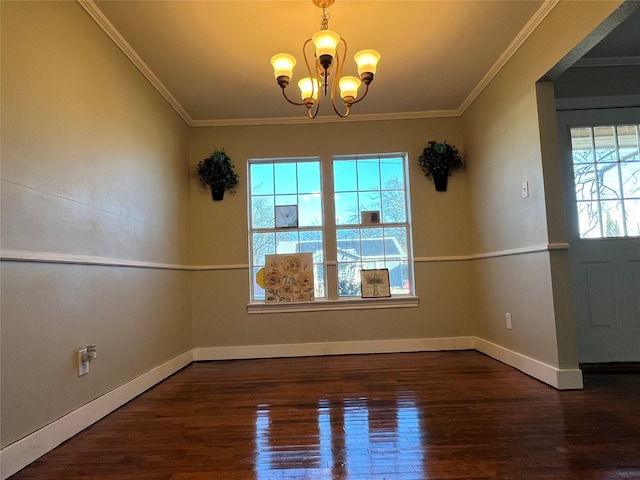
point(326, 61)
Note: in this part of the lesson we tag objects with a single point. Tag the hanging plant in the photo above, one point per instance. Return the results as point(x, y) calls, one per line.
point(438, 161)
point(217, 172)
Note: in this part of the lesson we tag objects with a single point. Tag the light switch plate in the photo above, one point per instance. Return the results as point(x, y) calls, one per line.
point(83, 367)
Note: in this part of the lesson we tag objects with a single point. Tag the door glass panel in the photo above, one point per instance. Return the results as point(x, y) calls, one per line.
point(606, 174)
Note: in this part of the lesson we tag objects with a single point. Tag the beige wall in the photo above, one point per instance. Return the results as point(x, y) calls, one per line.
point(219, 237)
point(94, 163)
point(506, 137)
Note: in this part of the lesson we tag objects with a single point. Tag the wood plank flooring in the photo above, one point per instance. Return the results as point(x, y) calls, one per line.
point(436, 415)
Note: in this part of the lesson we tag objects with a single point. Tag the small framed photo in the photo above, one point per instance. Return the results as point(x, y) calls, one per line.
point(286, 216)
point(375, 283)
point(370, 217)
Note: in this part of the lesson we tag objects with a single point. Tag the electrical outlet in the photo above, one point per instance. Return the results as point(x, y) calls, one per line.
point(525, 189)
point(508, 318)
point(83, 362)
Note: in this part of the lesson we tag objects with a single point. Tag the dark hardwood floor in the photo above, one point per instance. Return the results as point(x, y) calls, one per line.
point(437, 415)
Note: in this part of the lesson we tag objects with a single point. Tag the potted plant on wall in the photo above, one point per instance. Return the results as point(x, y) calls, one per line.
point(438, 160)
point(217, 172)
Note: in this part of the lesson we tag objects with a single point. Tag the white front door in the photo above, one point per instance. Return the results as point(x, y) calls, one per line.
point(601, 174)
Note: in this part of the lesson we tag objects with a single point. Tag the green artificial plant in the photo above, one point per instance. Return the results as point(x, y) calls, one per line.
point(439, 159)
point(217, 172)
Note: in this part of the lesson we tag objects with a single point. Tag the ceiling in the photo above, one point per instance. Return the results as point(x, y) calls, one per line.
point(622, 43)
point(211, 59)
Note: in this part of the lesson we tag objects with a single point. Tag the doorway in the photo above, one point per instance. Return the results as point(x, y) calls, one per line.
point(599, 151)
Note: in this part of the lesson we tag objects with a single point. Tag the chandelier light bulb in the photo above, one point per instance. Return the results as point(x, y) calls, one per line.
point(309, 88)
point(367, 61)
point(325, 42)
point(283, 64)
point(349, 88)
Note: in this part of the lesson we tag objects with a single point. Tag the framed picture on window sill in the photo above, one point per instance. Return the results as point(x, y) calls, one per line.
point(287, 216)
point(375, 283)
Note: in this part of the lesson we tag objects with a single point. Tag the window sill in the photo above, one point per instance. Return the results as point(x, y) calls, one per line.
point(327, 305)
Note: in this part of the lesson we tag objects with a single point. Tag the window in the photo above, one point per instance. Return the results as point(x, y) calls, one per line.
point(371, 228)
point(276, 186)
point(606, 170)
point(371, 184)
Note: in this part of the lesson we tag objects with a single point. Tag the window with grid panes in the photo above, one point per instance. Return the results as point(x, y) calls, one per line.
point(281, 187)
point(371, 227)
point(366, 184)
point(606, 173)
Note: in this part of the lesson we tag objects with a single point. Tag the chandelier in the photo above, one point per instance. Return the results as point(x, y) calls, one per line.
point(326, 62)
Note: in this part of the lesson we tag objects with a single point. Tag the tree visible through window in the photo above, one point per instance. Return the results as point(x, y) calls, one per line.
point(606, 170)
point(371, 227)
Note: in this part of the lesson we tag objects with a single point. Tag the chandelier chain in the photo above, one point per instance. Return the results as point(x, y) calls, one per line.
point(324, 19)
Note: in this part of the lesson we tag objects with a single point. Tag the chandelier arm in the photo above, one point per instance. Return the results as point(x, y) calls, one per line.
point(342, 115)
point(306, 61)
point(312, 108)
point(304, 55)
point(344, 56)
point(336, 79)
point(366, 90)
point(335, 107)
point(284, 94)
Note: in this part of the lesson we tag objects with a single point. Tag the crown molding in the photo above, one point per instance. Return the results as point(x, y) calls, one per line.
point(96, 14)
point(607, 62)
point(326, 119)
point(592, 103)
point(517, 42)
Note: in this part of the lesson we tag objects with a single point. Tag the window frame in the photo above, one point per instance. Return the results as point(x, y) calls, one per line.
point(329, 228)
point(383, 225)
point(274, 230)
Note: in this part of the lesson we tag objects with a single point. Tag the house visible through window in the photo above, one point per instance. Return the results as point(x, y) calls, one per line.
point(371, 227)
point(606, 171)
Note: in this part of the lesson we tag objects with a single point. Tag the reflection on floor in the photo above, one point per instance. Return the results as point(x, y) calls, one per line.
point(349, 437)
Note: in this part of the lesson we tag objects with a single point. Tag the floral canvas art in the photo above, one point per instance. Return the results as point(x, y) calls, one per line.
point(289, 278)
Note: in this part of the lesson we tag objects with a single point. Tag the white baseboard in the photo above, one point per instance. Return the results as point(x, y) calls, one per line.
point(333, 348)
point(19, 454)
point(565, 379)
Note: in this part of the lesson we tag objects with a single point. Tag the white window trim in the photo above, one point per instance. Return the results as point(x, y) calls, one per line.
point(352, 303)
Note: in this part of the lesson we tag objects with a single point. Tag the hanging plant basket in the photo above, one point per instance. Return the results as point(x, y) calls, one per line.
point(217, 172)
point(440, 180)
point(437, 161)
point(217, 194)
